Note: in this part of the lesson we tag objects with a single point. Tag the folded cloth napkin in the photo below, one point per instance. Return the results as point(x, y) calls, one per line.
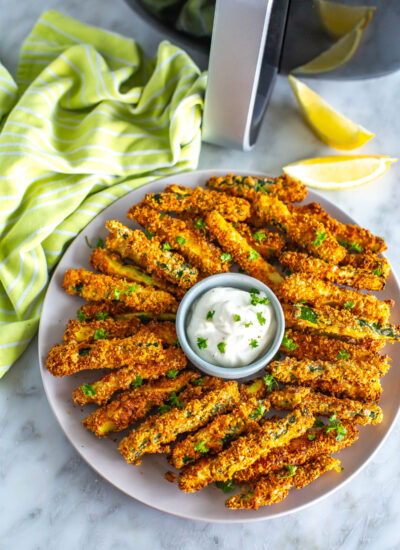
point(90, 119)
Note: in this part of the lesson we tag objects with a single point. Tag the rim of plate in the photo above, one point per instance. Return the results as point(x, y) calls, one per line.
point(204, 174)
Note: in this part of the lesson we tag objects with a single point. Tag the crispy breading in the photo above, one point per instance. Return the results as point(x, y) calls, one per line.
point(283, 187)
point(97, 288)
point(112, 264)
point(101, 390)
point(232, 242)
point(341, 322)
point(352, 237)
point(78, 332)
point(120, 312)
point(372, 263)
point(325, 405)
point(132, 405)
point(158, 430)
point(198, 201)
point(266, 243)
point(148, 253)
point(303, 229)
point(219, 432)
point(317, 292)
point(191, 243)
point(342, 275)
point(309, 345)
point(340, 379)
point(275, 486)
point(141, 348)
point(313, 443)
point(244, 450)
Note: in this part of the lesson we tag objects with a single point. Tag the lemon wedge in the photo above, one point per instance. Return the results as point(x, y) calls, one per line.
point(339, 19)
point(339, 172)
point(329, 125)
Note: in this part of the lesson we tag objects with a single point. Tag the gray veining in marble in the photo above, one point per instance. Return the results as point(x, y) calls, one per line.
point(51, 499)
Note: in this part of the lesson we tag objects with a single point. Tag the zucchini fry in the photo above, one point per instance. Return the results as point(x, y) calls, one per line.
point(101, 390)
point(341, 379)
point(148, 253)
point(224, 428)
point(232, 242)
point(97, 288)
point(317, 292)
point(144, 347)
point(198, 201)
point(352, 237)
point(158, 430)
point(244, 450)
point(325, 405)
point(275, 487)
point(283, 187)
point(302, 229)
point(372, 263)
point(133, 405)
point(266, 243)
point(309, 345)
point(112, 264)
point(341, 275)
point(328, 320)
point(190, 243)
point(119, 312)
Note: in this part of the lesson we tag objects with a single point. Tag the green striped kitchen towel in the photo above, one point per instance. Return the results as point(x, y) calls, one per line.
point(89, 119)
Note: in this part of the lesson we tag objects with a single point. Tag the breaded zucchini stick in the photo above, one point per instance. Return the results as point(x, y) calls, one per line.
point(224, 428)
point(101, 390)
point(283, 187)
point(97, 288)
point(266, 243)
point(190, 243)
point(341, 379)
point(372, 263)
point(243, 451)
point(142, 348)
point(325, 405)
point(148, 253)
point(232, 242)
point(112, 264)
point(328, 320)
point(352, 237)
point(275, 487)
point(134, 404)
point(119, 312)
point(341, 275)
point(317, 292)
point(158, 430)
point(311, 345)
point(198, 201)
point(302, 229)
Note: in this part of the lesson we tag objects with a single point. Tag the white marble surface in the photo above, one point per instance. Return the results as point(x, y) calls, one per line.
point(49, 498)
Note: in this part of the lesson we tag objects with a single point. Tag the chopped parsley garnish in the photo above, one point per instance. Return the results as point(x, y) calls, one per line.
point(256, 300)
point(137, 382)
point(149, 234)
point(377, 272)
point(307, 314)
point(81, 316)
point(200, 224)
point(210, 315)
point(356, 247)
point(320, 237)
point(262, 320)
point(269, 381)
point(99, 243)
point(177, 344)
point(253, 343)
point(117, 294)
point(173, 398)
point(254, 291)
point(318, 423)
point(315, 368)
point(291, 469)
point(101, 315)
point(311, 437)
point(225, 486)
point(349, 304)
point(84, 351)
point(164, 408)
point(186, 459)
point(248, 324)
point(130, 289)
point(201, 447)
point(172, 373)
point(88, 390)
point(258, 411)
point(221, 347)
point(259, 236)
point(343, 354)
point(100, 334)
point(236, 318)
point(197, 381)
point(225, 257)
point(78, 288)
point(166, 246)
point(253, 255)
point(180, 240)
point(201, 343)
point(288, 343)
point(335, 424)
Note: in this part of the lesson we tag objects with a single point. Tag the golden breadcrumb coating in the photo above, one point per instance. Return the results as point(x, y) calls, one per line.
point(78, 332)
point(120, 312)
point(370, 262)
point(266, 243)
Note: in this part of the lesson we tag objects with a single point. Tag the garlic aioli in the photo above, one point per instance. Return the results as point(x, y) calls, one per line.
point(229, 327)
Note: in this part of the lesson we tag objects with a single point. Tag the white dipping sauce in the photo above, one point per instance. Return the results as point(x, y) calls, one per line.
point(229, 327)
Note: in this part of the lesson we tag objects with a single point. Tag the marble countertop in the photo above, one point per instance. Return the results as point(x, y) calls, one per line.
point(50, 498)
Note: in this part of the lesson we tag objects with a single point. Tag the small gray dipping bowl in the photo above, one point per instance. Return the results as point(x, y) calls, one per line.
point(242, 282)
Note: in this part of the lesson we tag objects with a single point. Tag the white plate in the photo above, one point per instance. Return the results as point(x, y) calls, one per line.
point(146, 482)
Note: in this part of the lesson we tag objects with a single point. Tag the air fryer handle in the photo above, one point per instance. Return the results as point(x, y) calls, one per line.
point(236, 56)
